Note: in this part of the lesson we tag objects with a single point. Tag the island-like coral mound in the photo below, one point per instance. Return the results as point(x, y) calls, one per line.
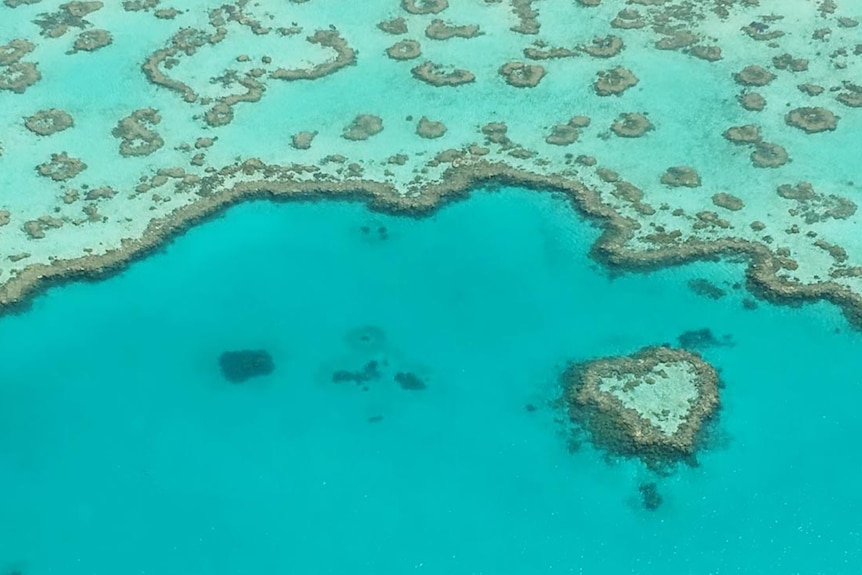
point(652, 404)
point(631, 125)
point(363, 127)
point(240, 366)
point(430, 129)
point(404, 50)
point(48, 122)
point(614, 82)
point(424, 6)
point(812, 120)
point(753, 76)
point(521, 75)
point(437, 75)
point(677, 176)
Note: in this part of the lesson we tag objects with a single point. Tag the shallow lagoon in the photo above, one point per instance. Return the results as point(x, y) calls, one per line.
point(123, 449)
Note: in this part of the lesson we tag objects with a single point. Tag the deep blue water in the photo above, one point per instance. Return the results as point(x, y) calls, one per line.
point(124, 450)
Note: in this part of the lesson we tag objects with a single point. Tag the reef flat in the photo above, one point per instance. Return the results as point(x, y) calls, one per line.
point(691, 130)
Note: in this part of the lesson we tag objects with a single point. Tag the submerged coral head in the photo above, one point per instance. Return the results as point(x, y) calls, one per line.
point(240, 366)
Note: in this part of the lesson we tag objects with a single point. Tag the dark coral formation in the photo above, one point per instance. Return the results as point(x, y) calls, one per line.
point(704, 287)
point(677, 176)
point(752, 101)
point(604, 47)
point(92, 40)
point(622, 429)
point(404, 50)
point(728, 201)
point(753, 76)
point(302, 140)
point(18, 76)
point(746, 134)
point(631, 125)
point(768, 155)
point(395, 26)
point(136, 135)
point(430, 129)
point(614, 82)
point(811, 120)
point(14, 51)
point(49, 122)
point(69, 15)
point(440, 30)
point(650, 497)
point(240, 366)
point(701, 339)
point(521, 75)
point(815, 207)
point(437, 75)
point(363, 127)
point(61, 167)
point(369, 372)
point(424, 6)
point(410, 381)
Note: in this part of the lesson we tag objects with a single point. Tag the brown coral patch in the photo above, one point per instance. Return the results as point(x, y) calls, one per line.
point(594, 391)
point(753, 75)
point(631, 125)
point(440, 30)
point(430, 129)
point(563, 134)
point(404, 50)
point(302, 140)
point(92, 40)
point(811, 120)
point(14, 51)
point(746, 134)
point(766, 155)
point(678, 176)
point(614, 82)
point(19, 76)
point(788, 62)
point(424, 6)
point(628, 19)
point(708, 53)
point(135, 133)
point(437, 75)
point(728, 201)
point(752, 101)
point(363, 127)
point(521, 75)
point(604, 47)
point(344, 56)
point(61, 167)
point(851, 96)
point(396, 26)
point(69, 15)
point(49, 122)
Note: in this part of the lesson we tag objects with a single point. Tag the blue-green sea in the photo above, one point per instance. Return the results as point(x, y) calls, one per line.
point(124, 450)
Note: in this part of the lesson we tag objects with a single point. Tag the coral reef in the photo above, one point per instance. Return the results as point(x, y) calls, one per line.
point(363, 127)
point(240, 366)
point(49, 122)
point(614, 82)
point(651, 404)
point(521, 75)
point(135, 133)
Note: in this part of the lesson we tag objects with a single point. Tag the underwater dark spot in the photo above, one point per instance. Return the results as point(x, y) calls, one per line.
point(239, 366)
point(375, 419)
point(650, 496)
point(702, 338)
point(365, 229)
point(370, 371)
point(706, 288)
point(530, 407)
point(749, 304)
point(410, 381)
point(383, 232)
point(366, 339)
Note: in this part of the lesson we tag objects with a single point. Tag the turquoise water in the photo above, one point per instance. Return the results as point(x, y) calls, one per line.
point(123, 449)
